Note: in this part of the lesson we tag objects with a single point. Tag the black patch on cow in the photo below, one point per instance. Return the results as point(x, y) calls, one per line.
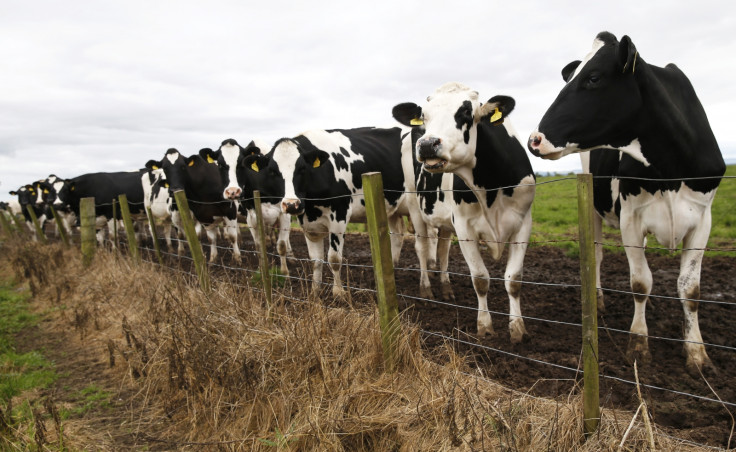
point(464, 118)
point(334, 241)
point(340, 162)
point(344, 152)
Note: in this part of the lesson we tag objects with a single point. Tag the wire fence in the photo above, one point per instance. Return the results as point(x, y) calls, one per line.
point(355, 261)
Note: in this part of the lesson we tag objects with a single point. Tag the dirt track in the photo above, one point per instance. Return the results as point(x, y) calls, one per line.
point(698, 420)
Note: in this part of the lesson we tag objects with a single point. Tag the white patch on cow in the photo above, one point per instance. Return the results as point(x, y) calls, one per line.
point(597, 45)
point(550, 152)
point(172, 157)
point(285, 155)
point(230, 154)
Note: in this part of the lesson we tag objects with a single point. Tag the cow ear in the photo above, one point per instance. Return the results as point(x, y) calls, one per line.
point(316, 158)
point(209, 155)
point(13, 193)
point(569, 70)
point(252, 148)
point(408, 114)
point(497, 107)
point(191, 160)
point(256, 162)
point(153, 165)
point(627, 55)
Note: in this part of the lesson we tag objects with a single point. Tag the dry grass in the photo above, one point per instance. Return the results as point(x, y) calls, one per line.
point(214, 371)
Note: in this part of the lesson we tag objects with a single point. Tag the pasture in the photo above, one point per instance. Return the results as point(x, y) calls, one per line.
point(216, 371)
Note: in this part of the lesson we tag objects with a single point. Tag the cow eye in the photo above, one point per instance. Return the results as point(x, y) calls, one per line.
point(593, 79)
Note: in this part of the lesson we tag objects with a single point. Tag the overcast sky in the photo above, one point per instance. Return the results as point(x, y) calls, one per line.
point(89, 86)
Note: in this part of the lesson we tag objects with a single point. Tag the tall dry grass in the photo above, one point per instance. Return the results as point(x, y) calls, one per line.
point(216, 371)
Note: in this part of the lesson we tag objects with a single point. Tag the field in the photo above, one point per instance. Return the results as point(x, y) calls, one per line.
point(214, 371)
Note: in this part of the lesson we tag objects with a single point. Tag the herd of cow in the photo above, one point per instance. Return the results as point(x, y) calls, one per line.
point(457, 166)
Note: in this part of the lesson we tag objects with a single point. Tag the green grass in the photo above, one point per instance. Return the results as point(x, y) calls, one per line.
point(277, 278)
point(555, 215)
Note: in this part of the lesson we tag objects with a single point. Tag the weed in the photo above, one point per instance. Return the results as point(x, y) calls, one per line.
point(277, 278)
point(280, 440)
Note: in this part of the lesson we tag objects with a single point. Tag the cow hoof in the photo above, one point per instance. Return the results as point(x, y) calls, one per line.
point(284, 271)
point(339, 293)
point(639, 351)
point(486, 331)
point(432, 264)
point(447, 293)
point(601, 303)
point(697, 365)
point(426, 293)
point(518, 332)
point(281, 248)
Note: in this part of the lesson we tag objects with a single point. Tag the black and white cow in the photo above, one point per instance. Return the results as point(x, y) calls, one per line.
point(104, 187)
point(157, 198)
point(30, 195)
point(50, 188)
point(318, 177)
point(203, 187)
point(455, 133)
point(239, 184)
point(665, 173)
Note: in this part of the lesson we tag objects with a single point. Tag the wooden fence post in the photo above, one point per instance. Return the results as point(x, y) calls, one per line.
point(263, 257)
point(41, 237)
point(154, 233)
point(87, 229)
point(129, 231)
point(383, 266)
point(194, 246)
point(115, 241)
point(589, 292)
point(60, 226)
point(7, 230)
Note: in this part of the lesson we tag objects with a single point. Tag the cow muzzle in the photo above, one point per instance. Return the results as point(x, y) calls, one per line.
point(232, 193)
point(427, 150)
point(540, 146)
point(292, 206)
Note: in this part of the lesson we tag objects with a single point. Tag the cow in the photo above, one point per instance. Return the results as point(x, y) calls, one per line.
point(453, 132)
point(49, 189)
point(317, 176)
point(157, 198)
point(30, 195)
point(239, 185)
point(203, 187)
point(104, 188)
point(663, 177)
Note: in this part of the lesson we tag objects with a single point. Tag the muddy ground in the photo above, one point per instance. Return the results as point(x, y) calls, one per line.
point(699, 420)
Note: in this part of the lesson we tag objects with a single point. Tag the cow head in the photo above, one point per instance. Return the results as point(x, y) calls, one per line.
point(174, 166)
point(599, 104)
point(287, 172)
point(229, 159)
point(450, 119)
point(26, 194)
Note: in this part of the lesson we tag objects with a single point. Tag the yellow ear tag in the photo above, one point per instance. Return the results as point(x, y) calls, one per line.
point(496, 115)
point(72, 189)
point(166, 185)
point(416, 122)
point(316, 163)
point(210, 159)
point(154, 167)
point(45, 191)
point(254, 167)
point(191, 163)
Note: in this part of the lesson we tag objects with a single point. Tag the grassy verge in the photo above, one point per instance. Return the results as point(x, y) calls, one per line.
point(19, 373)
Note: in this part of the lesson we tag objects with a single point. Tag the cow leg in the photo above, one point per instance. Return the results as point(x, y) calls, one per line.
point(421, 246)
point(641, 284)
point(598, 234)
point(283, 246)
point(468, 239)
point(432, 244)
point(688, 289)
point(316, 249)
point(32, 230)
point(176, 221)
point(167, 235)
point(231, 234)
point(334, 257)
point(396, 228)
point(443, 250)
point(212, 233)
point(512, 279)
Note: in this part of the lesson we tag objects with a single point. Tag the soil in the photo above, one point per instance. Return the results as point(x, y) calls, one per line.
point(551, 295)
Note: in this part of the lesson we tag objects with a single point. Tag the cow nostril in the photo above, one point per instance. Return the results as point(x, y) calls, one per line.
point(536, 141)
